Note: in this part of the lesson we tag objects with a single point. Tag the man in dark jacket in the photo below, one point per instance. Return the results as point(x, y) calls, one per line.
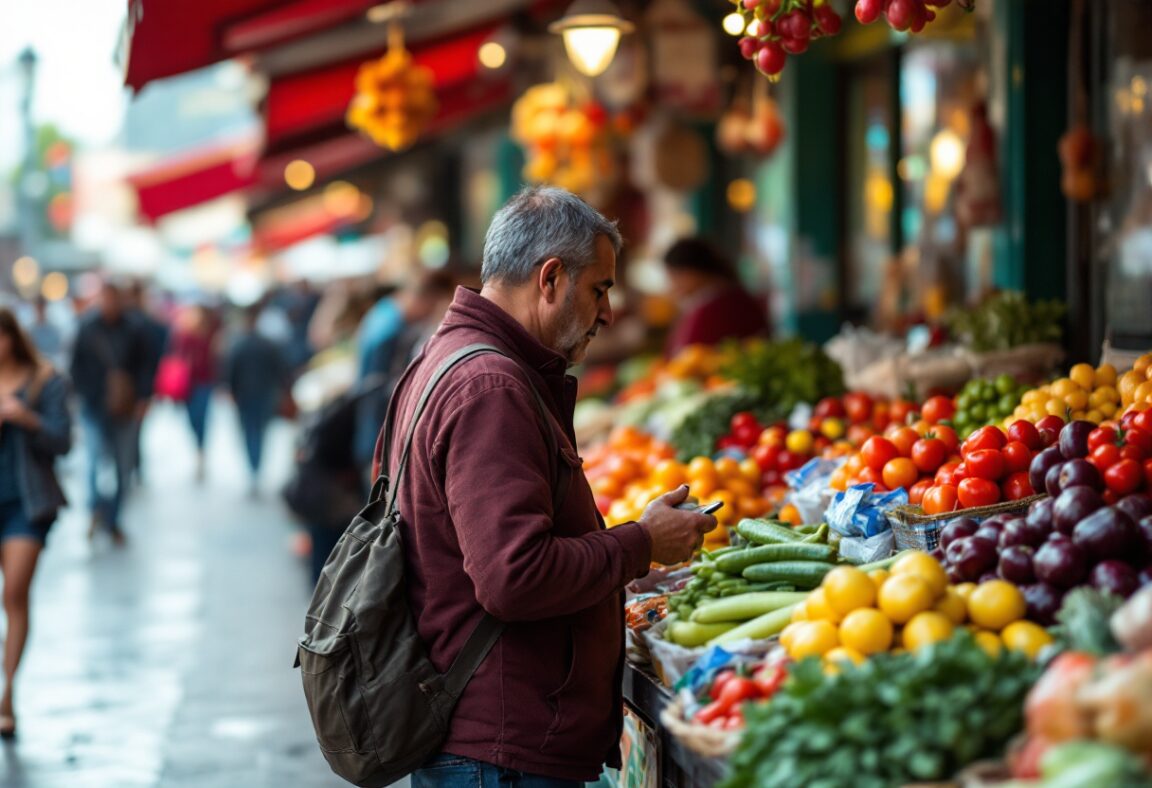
point(480, 525)
point(110, 372)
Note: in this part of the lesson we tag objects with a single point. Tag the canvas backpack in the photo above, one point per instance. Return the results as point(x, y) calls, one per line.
point(379, 707)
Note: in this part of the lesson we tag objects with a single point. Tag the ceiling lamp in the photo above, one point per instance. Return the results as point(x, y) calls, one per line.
point(591, 30)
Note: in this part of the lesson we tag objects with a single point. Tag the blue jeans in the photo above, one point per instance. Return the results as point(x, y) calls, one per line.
point(455, 771)
point(198, 399)
point(255, 416)
point(107, 441)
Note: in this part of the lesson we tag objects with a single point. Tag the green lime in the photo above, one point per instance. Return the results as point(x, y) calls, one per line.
point(1005, 384)
point(978, 413)
point(963, 401)
point(1007, 404)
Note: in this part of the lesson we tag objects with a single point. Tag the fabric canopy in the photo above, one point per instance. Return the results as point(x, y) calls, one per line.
point(195, 178)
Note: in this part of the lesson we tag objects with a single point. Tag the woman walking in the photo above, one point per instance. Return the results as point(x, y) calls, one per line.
point(35, 429)
point(194, 341)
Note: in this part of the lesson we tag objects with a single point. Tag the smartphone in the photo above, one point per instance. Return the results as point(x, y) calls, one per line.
point(704, 508)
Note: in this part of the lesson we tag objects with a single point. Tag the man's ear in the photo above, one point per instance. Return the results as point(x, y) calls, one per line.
point(548, 278)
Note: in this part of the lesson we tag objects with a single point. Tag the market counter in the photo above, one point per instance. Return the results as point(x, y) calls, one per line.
point(679, 766)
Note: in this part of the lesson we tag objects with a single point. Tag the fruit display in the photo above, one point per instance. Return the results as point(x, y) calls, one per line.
point(895, 719)
point(775, 29)
point(781, 374)
point(565, 143)
point(984, 402)
point(1087, 394)
point(1135, 385)
point(855, 614)
point(728, 692)
point(395, 98)
point(1007, 320)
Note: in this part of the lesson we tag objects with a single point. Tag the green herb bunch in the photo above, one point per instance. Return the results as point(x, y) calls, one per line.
point(1007, 320)
point(897, 718)
point(783, 373)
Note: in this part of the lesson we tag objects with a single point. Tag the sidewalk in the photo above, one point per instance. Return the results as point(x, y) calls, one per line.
point(169, 662)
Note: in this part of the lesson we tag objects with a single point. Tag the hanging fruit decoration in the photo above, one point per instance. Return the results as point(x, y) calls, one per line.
point(778, 28)
point(758, 131)
point(394, 96)
point(905, 15)
point(566, 144)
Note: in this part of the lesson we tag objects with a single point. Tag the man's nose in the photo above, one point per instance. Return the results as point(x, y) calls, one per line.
point(605, 317)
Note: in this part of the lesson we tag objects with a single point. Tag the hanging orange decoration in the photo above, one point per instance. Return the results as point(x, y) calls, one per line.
point(566, 143)
point(394, 98)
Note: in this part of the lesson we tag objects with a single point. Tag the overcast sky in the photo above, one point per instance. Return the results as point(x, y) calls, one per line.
point(79, 86)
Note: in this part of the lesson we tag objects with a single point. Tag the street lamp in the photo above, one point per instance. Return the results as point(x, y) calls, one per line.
point(591, 31)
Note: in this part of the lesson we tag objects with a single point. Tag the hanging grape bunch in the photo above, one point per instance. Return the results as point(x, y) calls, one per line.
point(904, 15)
point(778, 28)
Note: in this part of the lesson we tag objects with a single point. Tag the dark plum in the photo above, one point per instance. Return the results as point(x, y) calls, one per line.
point(984, 578)
point(1044, 602)
point(1074, 439)
point(1083, 472)
point(1040, 513)
point(938, 554)
point(955, 548)
point(1020, 531)
point(990, 532)
point(1062, 564)
point(1073, 505)
point(1108, 533)
point(1041, 464)
point(964, 526)
point(1115, 577)
point(977, 556)
point(1137, 506)
point(1052, 480)
point(1016, 564)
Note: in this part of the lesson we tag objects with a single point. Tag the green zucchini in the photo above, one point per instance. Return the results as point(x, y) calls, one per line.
point(761, 627)
point(802, 574)
point(745, 607)
point(691, 635)
point(766, 532)
point(735, 563)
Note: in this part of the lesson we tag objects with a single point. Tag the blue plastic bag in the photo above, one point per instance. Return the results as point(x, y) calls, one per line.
point(858, 511)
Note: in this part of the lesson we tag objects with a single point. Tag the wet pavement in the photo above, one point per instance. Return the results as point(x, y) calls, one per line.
point(168, 662)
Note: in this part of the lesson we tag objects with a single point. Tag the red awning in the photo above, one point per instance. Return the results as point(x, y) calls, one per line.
point(301, 103)
point(195, 178)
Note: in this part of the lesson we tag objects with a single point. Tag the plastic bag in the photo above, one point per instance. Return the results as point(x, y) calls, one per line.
point(864, 550)
point(811, 494)
point(858, 511)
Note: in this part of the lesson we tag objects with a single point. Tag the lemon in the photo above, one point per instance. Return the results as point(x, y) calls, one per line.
point(1083, 375)
point(988, 641)
point(995, 604)
point(842, 653)
point(964, 590)
point(813, 638)
point(925, 567)
point(952, 604)
point(1063, 387)
point(867, 631)
point(788, 633)
point(1077, 400)
point(1055, 407)
point(819, 609)
point(847, 588)
point(903, 596)
point(800, 613)
point(1025, 636)
point(927, 628)
point(878, 576)
point(1105, 375)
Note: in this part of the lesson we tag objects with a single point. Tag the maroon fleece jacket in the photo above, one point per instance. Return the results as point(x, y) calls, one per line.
point(481, 535)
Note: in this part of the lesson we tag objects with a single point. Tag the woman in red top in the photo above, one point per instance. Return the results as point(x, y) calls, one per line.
point(713, 304)
point(194, 341)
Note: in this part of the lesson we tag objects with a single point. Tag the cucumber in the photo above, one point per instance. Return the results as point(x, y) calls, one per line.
point(819, 536)
point(807, 529)
point(766, 532)
point(761, 627)
point(721, 551)
point(746, 607)
point(883, 563)
point(691, 635)
point(735, 563)
point(802, 574)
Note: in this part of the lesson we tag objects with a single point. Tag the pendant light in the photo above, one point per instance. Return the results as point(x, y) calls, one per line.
point(591, 31)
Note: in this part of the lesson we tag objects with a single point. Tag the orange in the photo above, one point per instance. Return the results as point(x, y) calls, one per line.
point(844, 654)
point(1105, 375)
point(927, 628)
point(738, 487)
point(995, 604)
point(819, 608)
point(668, 475)
point(847, 588)
point(952, 605)
point(727, 468)
point(925, 567)
point(814, 638)
point(1083, 375)
point(791, 515)
point(988, 641)
point(900, 472)
point(866, 630)
point(750, 471)
point(1025, 636)
point(903, 596)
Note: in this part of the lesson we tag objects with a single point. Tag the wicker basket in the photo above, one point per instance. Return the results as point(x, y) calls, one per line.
point(915, 530)
point(709, 742)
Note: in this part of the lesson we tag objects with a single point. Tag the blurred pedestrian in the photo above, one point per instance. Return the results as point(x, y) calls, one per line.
point(46, 336)
point(35, 429)
point(257, 373)
point(715, 306)
point(194, 341)
point(109, 370)
point(154, 335)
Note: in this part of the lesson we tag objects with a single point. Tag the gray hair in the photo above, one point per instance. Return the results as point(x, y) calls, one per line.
point(538, 223)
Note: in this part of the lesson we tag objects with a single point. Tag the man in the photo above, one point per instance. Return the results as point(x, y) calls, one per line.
point(110, 373)
point(479, 526)
point(154, 337)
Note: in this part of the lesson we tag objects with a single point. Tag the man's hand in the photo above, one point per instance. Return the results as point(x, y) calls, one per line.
point(675, 533)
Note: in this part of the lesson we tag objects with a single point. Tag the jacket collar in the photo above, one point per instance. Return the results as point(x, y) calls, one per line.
point(470, 310)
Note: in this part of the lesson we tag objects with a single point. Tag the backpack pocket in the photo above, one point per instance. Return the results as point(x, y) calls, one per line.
point(335, 701)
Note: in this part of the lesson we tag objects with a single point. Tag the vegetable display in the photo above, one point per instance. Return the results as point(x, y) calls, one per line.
point(984, 402)
point(894, 719)
point(1007, 320)
point(781, 374)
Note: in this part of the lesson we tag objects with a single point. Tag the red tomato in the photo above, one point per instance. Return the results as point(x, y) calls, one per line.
point(789, 460)
point(858, 433)
point(880, 418)
point(1016, 487)
point(1054, 423)
point(929, 454)
point(1110, 497)
point(961, 473)
point(900, 409)
point(858, 407)
point(829, 408)
point(1124, 477)
point(765, 457)
point(900, 472)
point(1132, 453)
point(1143, 420)
point(1101, 436)
point(984, 438)
point(904, 438)
point(1105, 456)
point(745, 419)
point(1140, 438)
point(985, 464)
point(977, 492)
point(1017, 457)
point(945, 472)
point(938, 408)
point(1026, 433)
point(746, 434)
point(1127, 419)
point(917, 490)
point(939, 499)
point(870, 476)
point(948, 435)
point(878, 451)
point(1148, 474)
point(728, 442)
